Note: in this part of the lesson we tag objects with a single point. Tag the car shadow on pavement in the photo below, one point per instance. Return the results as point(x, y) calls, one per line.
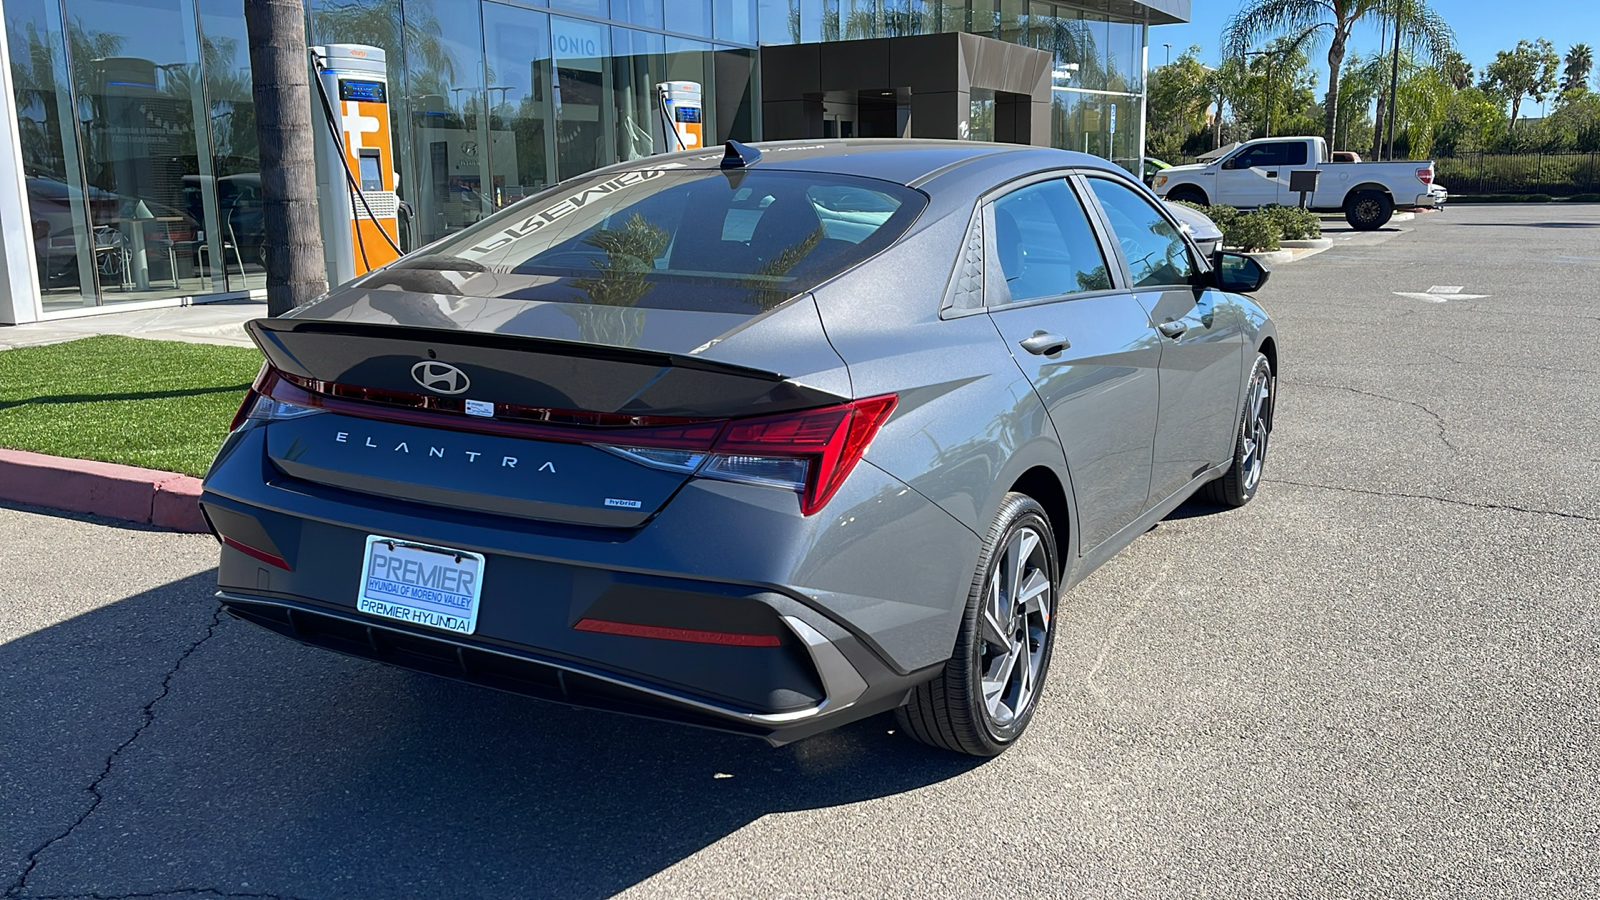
point(267, 767)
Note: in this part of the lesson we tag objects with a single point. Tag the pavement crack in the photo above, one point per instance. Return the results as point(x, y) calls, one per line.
point(147, 717)
point(1449, 500)
point(1438, 420)
point(1116, 630)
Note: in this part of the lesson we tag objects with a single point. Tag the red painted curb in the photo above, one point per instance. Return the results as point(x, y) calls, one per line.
point(147, 496)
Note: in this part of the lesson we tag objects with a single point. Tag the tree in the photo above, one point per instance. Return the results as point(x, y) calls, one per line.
point(1575, 74)
point(1333, 20)
point(1527, 71)
point(1178, 97)
point(284, 130)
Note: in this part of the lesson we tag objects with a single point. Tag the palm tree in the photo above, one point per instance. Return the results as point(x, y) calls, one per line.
point(293, 243)
point(1579, 62)
point(1313, 20)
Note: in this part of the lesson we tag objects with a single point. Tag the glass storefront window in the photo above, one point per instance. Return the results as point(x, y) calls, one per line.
point(734, 96)
point(59, 207)
point(691, 61)
point(734, 21)
point(690, 17)
point(1124, 56)
point(581, 49)
point(638, 64)
point(136, 84)
point(646, 13)
point(522, 141)
point(232, 248)
point(860, 19)
point(598, 8)
point(779, 21)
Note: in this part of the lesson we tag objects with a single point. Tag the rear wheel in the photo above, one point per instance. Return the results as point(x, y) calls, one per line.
point(1239, 484)
point(1368, 210)
point(985, 697)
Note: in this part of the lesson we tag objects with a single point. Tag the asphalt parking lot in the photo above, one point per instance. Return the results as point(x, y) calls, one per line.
point(1379, 679)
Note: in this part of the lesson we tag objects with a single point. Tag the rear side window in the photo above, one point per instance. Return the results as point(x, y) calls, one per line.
point(1045, 245)
point(1266, 156)
point(677, 239)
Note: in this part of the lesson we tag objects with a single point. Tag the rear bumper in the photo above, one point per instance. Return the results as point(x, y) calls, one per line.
point(1425, 201)
point(858, 603)
point(848, 694)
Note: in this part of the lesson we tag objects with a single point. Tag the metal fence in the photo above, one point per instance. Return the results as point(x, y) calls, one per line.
point(1556, 174)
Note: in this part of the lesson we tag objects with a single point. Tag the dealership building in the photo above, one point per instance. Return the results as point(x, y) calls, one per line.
point(129, 172)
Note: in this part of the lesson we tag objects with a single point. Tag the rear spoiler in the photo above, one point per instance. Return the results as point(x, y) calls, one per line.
point(526, 371)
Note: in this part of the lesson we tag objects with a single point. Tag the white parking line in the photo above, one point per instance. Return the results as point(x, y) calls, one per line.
point(1440, 293)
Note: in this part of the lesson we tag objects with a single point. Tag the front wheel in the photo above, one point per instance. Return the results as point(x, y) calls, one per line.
point(983, 700)
point(1239, 484)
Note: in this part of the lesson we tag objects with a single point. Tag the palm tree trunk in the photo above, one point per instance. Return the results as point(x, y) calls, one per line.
point(293, 242)
point(1377, 124)
point(1516, 106)
point(1330, 114)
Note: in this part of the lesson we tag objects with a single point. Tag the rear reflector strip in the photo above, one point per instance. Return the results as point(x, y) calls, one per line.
point(253, 553)
point(691, 635)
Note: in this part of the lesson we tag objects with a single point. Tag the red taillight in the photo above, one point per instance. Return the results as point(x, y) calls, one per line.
point(250, 397)
point(270, 559)
point(1425, 174)
point(691, 635)
point(832, 440)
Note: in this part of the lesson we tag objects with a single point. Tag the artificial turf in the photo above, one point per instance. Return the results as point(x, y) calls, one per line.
point(157, 404)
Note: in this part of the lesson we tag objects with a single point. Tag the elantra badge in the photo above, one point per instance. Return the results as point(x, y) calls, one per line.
point(441, 378)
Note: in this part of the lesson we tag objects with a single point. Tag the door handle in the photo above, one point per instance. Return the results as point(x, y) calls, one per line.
point(1043, 343)
point(1173, 330)
point(1273, 174)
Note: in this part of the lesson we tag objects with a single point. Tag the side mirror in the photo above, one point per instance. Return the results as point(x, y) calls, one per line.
point(1238, 273)
point(1230, 164)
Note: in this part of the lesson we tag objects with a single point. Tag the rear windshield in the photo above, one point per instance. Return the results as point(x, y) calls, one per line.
point(741, 241)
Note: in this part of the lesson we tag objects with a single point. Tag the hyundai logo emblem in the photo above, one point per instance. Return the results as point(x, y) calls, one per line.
point(441, 378)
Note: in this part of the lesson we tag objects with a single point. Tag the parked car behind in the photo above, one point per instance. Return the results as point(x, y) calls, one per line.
point(1257, 174)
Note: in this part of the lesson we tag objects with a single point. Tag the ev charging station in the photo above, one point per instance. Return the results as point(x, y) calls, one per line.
point(679, 111)
point(360, 226)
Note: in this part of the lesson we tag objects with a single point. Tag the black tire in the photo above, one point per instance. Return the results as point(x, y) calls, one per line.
point(1189, 195)
point(1368, 210)
point(951, 711)
point(1239, 484)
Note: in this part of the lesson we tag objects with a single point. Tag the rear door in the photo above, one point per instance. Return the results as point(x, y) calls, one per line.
point(1086, 344)
point(1202, 337)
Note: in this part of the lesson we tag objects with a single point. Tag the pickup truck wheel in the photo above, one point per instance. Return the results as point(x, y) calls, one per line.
point(1188, 195)
point(1368, 210)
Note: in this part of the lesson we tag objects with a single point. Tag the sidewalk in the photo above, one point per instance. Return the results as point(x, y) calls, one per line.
point(203, 323)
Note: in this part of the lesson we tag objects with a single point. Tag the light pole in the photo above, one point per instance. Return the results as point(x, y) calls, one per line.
point(1169, 53)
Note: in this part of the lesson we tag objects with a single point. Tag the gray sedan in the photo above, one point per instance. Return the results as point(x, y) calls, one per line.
point(765, 440)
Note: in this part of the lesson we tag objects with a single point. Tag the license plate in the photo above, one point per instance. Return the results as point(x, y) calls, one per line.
point(422, 584)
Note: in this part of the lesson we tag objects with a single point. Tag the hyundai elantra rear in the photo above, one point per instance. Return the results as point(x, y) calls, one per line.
point(604, 448)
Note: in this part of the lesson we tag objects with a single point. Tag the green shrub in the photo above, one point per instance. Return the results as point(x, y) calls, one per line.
point(1584, 198)
point(1294, 223)
point(1252, 231)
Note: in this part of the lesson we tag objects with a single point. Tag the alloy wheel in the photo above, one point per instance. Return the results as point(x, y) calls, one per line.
point(1016, 621)
point(1257, 429)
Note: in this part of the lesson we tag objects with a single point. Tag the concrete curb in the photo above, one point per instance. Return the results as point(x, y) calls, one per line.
point(147, 496)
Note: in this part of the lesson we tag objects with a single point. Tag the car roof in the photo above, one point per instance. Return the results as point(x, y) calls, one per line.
point(908, 161)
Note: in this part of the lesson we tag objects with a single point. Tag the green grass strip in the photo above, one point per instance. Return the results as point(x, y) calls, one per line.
point(158, 404)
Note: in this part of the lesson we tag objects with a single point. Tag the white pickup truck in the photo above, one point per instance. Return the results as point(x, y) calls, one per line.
point(1256, 173)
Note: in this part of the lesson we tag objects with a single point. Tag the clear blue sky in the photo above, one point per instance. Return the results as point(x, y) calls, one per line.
point(1481, 26)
